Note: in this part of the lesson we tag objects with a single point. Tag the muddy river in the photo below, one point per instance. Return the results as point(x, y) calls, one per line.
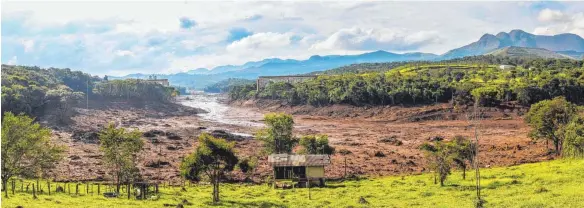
point(220, 112)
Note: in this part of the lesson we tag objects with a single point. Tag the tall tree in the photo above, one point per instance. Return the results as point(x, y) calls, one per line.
point(439, 159)
point(213, 158)
point(316, 144)
point(64, 99)
point(573, 134)
point(277, 137)
point(463, 153)
point(120, 148)
point(548, 117)
point(26, 148)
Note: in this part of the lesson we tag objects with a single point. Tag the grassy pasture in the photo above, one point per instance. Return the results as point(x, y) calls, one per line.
point(557, 183)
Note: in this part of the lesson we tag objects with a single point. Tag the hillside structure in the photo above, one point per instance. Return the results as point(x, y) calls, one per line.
point(163, 82)
point(503, 66)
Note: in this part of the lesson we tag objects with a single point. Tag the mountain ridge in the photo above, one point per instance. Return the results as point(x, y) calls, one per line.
point(559, 46)
point(519, 38)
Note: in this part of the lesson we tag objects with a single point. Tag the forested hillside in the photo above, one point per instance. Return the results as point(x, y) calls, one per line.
point(461, 81)
point(35, 91)
point(225, 85)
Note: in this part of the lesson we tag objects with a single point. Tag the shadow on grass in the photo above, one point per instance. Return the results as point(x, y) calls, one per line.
point(254, 204)
point(334, 186)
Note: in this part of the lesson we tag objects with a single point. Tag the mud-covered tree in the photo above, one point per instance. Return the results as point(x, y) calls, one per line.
point(213, 158)
point(573, 134)
point(463, 153)
point(316, 144)
point(439, 158)
point(63, 99)
point(26, 148)
point(120, 148)
point(546, 119)
point(277, 137)
point(248, 166)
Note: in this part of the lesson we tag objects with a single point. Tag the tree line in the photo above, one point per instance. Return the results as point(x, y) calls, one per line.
point(461, 81)
point(225, 85)
point(134, 89)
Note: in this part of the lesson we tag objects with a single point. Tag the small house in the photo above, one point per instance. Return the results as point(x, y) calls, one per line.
point(300, 168)
point(503, 66)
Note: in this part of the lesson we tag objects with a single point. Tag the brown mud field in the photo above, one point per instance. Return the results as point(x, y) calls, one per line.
point(370, 141)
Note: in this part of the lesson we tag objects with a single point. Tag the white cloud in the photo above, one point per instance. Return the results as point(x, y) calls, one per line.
point(549, 15)
point(377, 38)
point(560, 22)
point(28, 45)
point(544, 31)
point(128, 37)
point(260, 41)
point(124, 53)
point(13, 61)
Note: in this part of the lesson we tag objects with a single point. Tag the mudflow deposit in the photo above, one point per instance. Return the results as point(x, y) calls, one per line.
point(370, 141)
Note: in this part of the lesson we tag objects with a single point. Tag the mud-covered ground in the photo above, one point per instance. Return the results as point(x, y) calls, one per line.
point(359, 130)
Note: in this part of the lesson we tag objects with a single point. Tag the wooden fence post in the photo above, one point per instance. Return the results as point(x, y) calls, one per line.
point(21, 185)
point(13, 186)
point(33, 192)
point(49, 185)
point(309, 196)
point(98, 186)
point(128, 186)
point(77, 188)
point(86, 188)
point(345, 167)
point(69, 188)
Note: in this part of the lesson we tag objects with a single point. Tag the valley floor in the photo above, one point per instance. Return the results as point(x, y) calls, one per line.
point(362, 131)
point(545, 184)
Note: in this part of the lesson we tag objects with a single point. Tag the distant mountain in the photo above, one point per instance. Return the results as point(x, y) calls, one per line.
point(199, 78)
point(199, 71)
point(514, 43)
point(488, 43)
point(524, 52)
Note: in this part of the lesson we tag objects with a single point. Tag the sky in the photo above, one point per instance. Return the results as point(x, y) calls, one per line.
point(119, 38)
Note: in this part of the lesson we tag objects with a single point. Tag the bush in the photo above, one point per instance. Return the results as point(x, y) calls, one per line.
point(345, 152)
point(379, 154)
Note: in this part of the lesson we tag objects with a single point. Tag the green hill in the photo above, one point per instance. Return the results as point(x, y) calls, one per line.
point(546, 184)
point(523, 52)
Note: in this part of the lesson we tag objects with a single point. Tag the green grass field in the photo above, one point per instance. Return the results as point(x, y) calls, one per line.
point(547, 184)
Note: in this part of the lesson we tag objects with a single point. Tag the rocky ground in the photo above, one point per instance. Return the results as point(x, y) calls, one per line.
point(370, 141)
point(385, 140)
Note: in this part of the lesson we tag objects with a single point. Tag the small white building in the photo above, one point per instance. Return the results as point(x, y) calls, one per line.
point(503, 66)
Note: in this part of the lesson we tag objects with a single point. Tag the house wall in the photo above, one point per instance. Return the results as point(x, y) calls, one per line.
point(315, 172)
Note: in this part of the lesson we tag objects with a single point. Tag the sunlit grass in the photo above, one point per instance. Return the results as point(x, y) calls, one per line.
point(546, 184)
